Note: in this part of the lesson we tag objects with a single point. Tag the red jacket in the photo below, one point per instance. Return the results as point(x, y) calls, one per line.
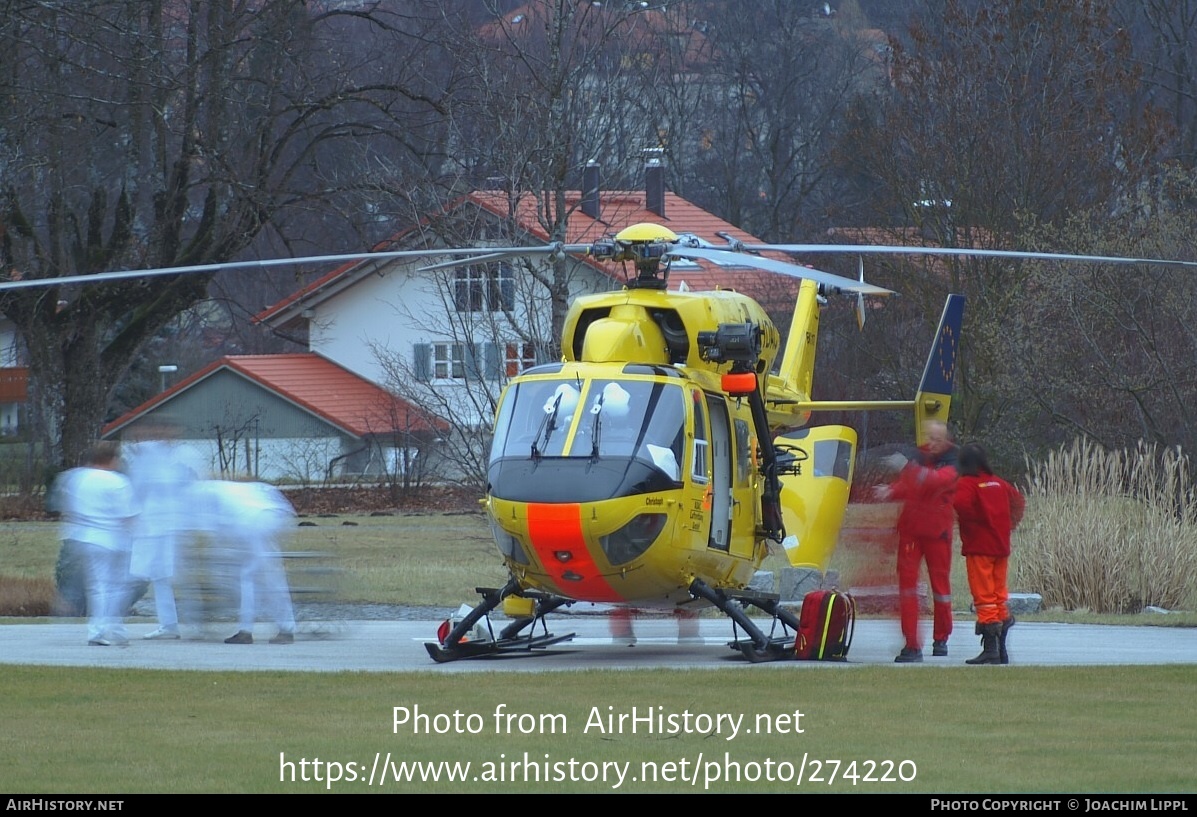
point(988, 508)
point(926, 493)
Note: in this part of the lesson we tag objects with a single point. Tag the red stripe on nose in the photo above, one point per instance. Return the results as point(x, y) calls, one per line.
point(556, 535)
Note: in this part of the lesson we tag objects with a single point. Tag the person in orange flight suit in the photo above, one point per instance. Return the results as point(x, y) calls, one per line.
point(925, 486)
point(988, 509)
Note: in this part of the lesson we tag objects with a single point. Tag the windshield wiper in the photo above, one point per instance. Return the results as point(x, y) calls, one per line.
point(547, 425)
point(595, 430)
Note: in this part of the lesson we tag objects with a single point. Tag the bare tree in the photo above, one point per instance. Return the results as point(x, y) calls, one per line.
point(752, 110)
point(145, 134)
point(1002, 113)
point(481, 325)
point(1164, 31)
point(1114, 345)
point(542, 92)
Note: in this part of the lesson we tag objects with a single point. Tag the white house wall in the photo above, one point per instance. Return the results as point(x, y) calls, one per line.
point(301, 460)
point(374, 327)
point(349, 327)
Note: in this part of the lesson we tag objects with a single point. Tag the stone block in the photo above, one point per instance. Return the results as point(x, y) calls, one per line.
point(762, 582)
point(796, 582)
point(1024, 603)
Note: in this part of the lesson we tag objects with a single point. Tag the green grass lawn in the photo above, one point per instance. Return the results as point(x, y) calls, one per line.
point(438, 559)
point(1027, 729)
point(1020, 729)
point(422, 559)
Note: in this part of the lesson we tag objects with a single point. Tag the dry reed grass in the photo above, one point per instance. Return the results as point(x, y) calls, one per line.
point(1110, 531)
point(26, 597)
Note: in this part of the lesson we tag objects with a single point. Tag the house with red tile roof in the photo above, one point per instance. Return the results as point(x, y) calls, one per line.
point(288, 417)
point(470, 328)
point(393, 348)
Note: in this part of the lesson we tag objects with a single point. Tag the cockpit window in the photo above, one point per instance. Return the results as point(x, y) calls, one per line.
point(535, 419)
point(584, 440)
point(594, 420)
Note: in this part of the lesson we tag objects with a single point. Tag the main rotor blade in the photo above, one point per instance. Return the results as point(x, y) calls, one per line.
point(770, 265)
point(199, 269)
point(502, 253)
point(963, 251)
point(474, 259)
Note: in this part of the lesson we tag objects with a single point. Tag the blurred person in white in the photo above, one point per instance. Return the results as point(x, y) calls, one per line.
point(162, 472)
point(249, 518)
point(97, 513)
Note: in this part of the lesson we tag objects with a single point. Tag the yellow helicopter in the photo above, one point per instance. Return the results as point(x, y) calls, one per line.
point(657, 463)
point(642, 469)
point(661, 458)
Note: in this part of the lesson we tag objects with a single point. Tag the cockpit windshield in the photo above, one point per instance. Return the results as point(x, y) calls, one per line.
point(592, 425)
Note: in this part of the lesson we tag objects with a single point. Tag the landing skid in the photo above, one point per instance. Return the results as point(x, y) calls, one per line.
point(757, 646)
point(507, 642)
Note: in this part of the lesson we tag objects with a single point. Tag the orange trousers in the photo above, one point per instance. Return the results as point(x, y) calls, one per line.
point(987, 581)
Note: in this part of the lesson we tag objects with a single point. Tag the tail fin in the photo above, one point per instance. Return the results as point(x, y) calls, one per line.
point(934, 396)
point(796, 374)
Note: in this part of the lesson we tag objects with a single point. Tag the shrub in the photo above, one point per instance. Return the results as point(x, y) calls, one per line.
point(1109, 531)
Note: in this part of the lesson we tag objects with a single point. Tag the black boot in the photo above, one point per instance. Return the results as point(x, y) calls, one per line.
point(990, 633)
point(1006, 625)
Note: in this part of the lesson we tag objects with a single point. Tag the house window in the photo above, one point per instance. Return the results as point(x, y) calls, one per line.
point(463, 361)
point(520, 356)
point(448, 361)
point(484, 288)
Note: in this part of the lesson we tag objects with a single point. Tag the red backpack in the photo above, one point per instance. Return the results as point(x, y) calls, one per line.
point(826, 626)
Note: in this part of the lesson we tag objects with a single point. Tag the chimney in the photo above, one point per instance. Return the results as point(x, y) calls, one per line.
point(590, 190)
point(654, 183)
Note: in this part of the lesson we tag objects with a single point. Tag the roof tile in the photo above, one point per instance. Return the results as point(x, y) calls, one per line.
point(315, 384)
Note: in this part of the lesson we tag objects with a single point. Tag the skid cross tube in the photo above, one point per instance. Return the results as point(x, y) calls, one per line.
point(760, 647)
point(509, 641)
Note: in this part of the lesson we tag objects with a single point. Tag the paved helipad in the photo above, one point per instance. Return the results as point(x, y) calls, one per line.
point(397, 646)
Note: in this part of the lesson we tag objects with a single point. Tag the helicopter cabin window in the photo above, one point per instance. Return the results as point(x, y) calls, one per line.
point(833, 458)
point(700, 467)
point(638, 419)
point(484, 288)
point(743, 442)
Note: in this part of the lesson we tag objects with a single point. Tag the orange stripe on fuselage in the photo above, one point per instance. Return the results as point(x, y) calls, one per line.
point(555, 529)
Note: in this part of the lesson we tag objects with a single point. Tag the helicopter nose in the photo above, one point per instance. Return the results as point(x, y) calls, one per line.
point(556, 537)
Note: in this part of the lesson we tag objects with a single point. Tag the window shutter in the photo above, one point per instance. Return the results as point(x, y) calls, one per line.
point(507, 286)
point(473, 370)
point(494, 361)
point(461, 291)
point(422, 361)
